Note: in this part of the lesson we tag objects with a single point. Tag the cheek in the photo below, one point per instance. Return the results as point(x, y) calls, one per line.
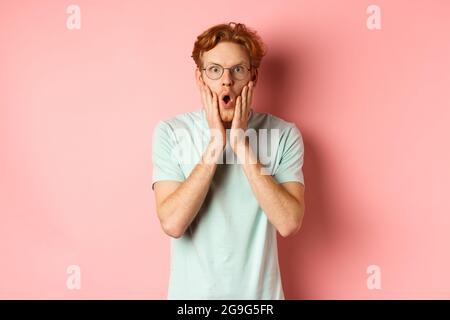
point(212, 87)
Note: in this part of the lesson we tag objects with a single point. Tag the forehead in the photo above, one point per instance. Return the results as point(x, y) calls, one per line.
point(226, 54)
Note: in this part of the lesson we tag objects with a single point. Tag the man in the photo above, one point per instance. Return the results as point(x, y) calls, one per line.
point(223, 207)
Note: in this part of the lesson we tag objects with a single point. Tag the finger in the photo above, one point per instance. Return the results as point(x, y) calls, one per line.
point(237, 111)
point(215, 103)
point(205, 104)
point(234, 122)
point(250, 95)
point(208, 98)
point(244, 106)
point(204, 89)
point(200, 82)
point(209, 109)
point(209, 95)
point(244, 97)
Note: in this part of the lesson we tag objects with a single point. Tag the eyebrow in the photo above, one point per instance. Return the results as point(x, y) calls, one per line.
point(241, 62)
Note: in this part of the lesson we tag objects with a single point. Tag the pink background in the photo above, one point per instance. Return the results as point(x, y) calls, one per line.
point(77, 110)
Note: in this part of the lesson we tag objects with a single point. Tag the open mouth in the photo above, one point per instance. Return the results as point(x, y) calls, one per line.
point(226, 99)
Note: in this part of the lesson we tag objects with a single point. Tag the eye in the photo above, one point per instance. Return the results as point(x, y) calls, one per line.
point(214, 69)
point(238, 69)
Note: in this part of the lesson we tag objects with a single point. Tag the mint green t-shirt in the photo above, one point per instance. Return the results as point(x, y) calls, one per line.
point(230, 249)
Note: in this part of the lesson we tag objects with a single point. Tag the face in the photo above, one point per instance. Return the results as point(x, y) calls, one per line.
point(226, 54)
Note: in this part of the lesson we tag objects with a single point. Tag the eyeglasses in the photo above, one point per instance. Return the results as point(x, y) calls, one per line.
point(214, 72)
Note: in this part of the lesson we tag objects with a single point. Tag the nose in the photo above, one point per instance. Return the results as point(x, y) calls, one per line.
point(227, 79)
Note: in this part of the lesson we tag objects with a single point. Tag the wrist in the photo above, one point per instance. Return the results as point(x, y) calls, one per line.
point(244, 152)
point(212, 153)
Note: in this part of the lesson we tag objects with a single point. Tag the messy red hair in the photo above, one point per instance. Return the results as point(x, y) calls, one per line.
point(232, 32)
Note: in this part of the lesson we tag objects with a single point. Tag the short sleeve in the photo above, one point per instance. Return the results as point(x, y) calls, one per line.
point(291, 160)
point(165, 165)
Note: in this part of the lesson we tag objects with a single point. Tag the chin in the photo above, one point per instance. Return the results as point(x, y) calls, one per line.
point(227, 115)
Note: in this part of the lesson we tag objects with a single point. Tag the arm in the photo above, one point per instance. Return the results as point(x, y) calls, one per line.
point(177, 204)
point(283, 203)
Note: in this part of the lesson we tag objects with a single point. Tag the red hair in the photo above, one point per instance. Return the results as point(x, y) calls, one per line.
point(232, 32)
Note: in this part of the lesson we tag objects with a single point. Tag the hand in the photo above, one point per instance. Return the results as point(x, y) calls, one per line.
point(240, 118)
point(210, 102)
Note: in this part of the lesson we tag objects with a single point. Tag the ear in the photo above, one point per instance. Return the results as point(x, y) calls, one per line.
point(198, 76)
point(255, 76)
